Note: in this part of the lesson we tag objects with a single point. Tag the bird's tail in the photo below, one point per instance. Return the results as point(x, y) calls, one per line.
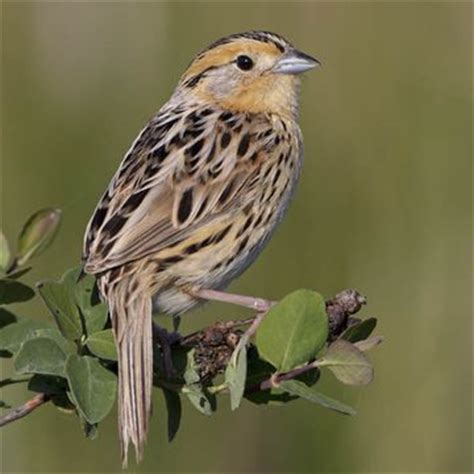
point(131, 315)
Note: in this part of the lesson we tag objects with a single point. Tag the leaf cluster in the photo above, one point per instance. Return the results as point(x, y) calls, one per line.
point(73, 359)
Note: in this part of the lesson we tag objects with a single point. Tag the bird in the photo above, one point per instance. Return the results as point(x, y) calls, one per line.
point(195, 200)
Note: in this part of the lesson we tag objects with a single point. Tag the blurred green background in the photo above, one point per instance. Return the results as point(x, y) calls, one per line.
point(384, 206)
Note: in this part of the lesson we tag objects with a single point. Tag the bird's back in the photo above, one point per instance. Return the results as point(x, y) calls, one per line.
point(198, 195)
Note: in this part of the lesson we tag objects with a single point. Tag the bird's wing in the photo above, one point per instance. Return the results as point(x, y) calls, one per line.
point(187, 171)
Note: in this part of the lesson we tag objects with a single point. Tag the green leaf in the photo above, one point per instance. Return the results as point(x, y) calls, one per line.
point(87, 299)
point(53, 333)
point(200, 398)
point(6, 318)
point(12, 291)
point(93, 388)
point(347, 363)
point(359, 331)
point(299, 389)
point(191, 375)
point(37, 234)
point(369, 343)
point(4, 404)
point(294, 330)
point(102, 344)
point(173, 407)
point(4, 252)
point(41, 355)
point(14, 335)
point(179, 357)
point(259, 370)
point(19, 273)
point(60, 300)
point(74, 302)
point(95, 317)
point(62, 402)
point(235, 374)
point(49, 384)
point(55, 388)
point(84, 287)
point(274, 396)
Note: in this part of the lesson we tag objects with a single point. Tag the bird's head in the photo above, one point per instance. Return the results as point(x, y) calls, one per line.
point(255, 71)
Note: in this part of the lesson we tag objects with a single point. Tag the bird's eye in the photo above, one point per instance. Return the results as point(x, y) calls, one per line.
point(244, 62)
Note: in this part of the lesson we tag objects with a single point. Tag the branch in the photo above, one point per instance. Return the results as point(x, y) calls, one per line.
point(25, 409)
point(215, 344)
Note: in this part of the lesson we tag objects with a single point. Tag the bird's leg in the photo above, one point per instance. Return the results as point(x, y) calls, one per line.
point(165, 340)
point(258, 304)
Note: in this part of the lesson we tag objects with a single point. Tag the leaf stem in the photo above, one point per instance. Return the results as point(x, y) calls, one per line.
point(276, 378)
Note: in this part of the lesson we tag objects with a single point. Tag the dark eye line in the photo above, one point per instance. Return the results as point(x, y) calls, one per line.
point(193, 81)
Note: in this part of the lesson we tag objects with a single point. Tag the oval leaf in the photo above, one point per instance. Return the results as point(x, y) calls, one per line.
point(359, 331)
point(12, 291)
point(301, 390)
point(51, 385)
point(93, 388)
point(6, 318)
point(4, 252)
point(56, 336)
point(41, 355)
point(347, 363)
point(294, 330)
point(82, 288)
point(235, 375)
point(369, 343)
point(173, 407)
point(16, 274)
point(37, 234)
point(95, 317)
point(60, 300)
point(15, 334)
point(102, 344)
point(199, 397)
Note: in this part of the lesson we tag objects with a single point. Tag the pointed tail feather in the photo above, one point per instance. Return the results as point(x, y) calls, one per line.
point(132, 324)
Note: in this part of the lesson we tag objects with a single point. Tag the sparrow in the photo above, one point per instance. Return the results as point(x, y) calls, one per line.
point(195, 200)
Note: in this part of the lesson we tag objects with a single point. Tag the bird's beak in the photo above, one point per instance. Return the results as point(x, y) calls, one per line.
point(295, 62)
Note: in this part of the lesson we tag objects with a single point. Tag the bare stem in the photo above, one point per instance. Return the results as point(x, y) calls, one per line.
point(25, 409)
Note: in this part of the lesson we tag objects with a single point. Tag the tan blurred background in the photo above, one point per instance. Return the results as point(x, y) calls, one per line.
point(384, 206)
